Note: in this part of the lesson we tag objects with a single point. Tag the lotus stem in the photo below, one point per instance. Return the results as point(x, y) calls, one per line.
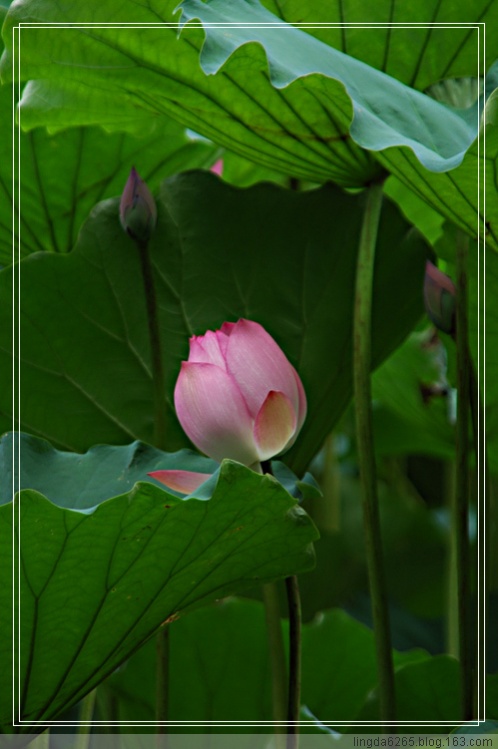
point(162, 683)
point(86, 716)
point(366, 457)
point(484, 515)
point(452, 625)
point(277, 660)
point(486, 529)
point(327, 514)
point(286, 698)
point(155, 346)
point(462, 480)
point(162, 643)
point(294, 696)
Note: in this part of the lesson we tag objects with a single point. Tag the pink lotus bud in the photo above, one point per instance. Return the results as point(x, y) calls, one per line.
point(439, 298)
point(217, 167)
point(137, 210)
point(237, 397)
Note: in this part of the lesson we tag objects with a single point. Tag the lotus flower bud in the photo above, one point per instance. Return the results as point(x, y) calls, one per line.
point(237, 397)
point(439, 298)
point(137, 210)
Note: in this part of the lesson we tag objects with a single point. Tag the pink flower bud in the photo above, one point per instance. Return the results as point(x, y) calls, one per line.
point(237, 397)
point(137, 210)
point(439, 298)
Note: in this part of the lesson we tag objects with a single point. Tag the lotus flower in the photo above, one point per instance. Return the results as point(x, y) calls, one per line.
point(439, 298)
point(236, 397)
point(137, 209)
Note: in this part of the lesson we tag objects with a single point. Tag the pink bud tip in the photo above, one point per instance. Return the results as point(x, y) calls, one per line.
point(440, 298)
point(137, 209)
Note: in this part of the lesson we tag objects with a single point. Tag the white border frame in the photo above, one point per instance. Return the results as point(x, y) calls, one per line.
point(16, 31)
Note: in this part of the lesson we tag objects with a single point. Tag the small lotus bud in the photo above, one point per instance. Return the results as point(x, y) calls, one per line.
point(439, 298)
point(137, 210)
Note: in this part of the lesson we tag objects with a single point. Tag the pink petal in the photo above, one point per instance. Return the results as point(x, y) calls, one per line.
point(206, 348)
point(185, 482)
point(213, 413)
point(227, 328)
point(217, 167)
point(275, 425)
point(224, 335)
point(303, 405)
point(259, 365)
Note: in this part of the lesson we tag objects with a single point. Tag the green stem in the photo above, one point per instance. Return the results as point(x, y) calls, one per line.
point(452, 625)
point(86, 716)
point(162, 646)
point(327, 514)
point(155, 347)
point(462, 480)
point(294, 697)
point(286, 701)
point(366, 457)
point(483, 513)
point(277, 658)
point(162, 681)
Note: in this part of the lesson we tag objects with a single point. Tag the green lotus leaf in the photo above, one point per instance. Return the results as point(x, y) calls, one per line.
point(96, 583)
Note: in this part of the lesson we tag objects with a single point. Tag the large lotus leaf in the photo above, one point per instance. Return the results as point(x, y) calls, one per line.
point(428, 690)
point(417, 211)
point(418, 45)
point(383, 111)
point(62, 176)
point(219, 671)
point(79, 482)
point(139, 75)
point(459, 194)
point(284, 259)
point(28, 462)
point(95, 584)
point(303, 128)
point(208, 647)
point(343, 646)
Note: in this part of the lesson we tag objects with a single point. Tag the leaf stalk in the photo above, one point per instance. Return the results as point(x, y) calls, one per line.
point(155, 346)
point(362, 332)
point(460, 525)
point(162, 642)
point(86, 716)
